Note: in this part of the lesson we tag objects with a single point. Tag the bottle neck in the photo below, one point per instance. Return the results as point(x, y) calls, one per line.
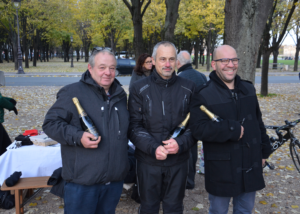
point(209, 114)
point(78, 106)
point(186, 120)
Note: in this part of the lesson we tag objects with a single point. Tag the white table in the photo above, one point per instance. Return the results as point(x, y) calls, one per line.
point(32, 161)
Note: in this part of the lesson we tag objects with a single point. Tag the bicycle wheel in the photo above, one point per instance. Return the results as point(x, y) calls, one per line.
point(295, 152)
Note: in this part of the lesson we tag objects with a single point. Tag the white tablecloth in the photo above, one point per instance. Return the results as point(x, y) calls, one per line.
point(32, 161)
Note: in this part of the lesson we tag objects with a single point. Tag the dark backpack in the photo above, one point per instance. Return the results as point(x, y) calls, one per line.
point(7, 201)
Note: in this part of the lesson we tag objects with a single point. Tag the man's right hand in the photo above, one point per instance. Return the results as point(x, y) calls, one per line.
point(87, 142)
point(161, 153)
point(242, 132)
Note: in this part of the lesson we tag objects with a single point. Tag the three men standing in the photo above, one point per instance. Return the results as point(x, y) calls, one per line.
point(157, 105)
point(236, 147)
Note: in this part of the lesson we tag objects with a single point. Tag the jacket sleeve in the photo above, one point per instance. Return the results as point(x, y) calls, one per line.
point(138, 135)
point(204, 129)
point(185, 141)
point(5, 103)
point(57, 124)
point(266, 146)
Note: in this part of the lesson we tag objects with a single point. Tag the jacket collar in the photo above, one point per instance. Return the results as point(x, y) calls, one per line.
point(187, 66)
point(114, 89)
point(238, 87)
point(160, 81)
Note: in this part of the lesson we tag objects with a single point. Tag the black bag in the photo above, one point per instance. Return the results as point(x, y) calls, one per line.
point(7, 201)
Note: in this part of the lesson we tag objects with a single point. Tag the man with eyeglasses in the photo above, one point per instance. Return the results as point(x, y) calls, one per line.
point(157, 105)
point(93, 168)
point(236, 147)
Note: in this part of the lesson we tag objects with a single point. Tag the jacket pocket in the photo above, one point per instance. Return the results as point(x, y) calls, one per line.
point(219, 167)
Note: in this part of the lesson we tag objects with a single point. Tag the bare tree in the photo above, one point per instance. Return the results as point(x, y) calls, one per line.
point(245, 21)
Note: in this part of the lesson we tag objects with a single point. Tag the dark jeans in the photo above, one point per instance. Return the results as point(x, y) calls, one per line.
point(192, 167)
point(97, 198)
point(159, 183)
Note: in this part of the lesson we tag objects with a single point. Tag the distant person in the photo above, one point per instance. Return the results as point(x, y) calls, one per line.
point(186, 70)
point(143, 68)
point(9, 104)
point(94, 169)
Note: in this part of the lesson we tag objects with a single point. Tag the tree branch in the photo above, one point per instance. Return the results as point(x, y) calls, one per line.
point(145, 8)
point(287, 22)
point(129, 7)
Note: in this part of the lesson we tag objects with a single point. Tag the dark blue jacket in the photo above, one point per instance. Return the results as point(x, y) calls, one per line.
point(186, 71)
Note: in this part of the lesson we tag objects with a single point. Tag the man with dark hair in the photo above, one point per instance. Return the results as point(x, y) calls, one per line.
point(235, 148)
point(185, 70)
point(93, 169)
point(158, 104)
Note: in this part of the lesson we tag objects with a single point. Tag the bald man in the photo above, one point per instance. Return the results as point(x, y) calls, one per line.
point(185, 70)
point(236, 147)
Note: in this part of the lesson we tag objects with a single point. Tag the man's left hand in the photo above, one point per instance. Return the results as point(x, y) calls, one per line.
point(171, 146)
point(263, 162)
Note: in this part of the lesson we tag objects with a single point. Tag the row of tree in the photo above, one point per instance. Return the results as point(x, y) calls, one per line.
point(255, 28)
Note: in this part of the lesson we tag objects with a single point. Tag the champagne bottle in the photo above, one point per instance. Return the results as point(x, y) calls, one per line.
point(179, 130)
point(212, 116)
point(85, 121)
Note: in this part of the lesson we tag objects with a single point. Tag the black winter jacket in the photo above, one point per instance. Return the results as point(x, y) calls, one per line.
point(232, 166)
point(109, 162)
point(186, 71)
point(156, 107)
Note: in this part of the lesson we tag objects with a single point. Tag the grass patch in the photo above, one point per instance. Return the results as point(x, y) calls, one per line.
point(269, 95)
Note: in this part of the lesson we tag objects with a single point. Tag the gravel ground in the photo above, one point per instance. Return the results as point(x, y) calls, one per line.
point(282, 192)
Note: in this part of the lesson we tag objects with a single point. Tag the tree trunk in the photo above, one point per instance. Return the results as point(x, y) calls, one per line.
point(171, 18)
point(208, 51)
point(15, 51)
point(264, 75)
point(86, 53)
point(297, 49)
point(35, 56)
point(196, 50)
point(275, 58)
point(245, 35)
point(258, 61)
point(47, 50)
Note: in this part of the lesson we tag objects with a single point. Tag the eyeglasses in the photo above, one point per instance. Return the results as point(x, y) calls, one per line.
point(148, 62)
point(225, 61)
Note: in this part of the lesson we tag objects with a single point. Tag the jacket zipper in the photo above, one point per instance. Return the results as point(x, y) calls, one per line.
point(163, 107)
point(119, 132)
point(183, 104)
point(150, 106)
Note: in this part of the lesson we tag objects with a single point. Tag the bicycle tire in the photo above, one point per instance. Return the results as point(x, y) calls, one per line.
point(295, 153)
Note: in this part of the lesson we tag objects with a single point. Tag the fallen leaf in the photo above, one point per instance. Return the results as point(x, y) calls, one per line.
point(61, 207)
point(38, 198)
point(32, 204)
point(295, 206)
point(263, 202)
point(269, 194)
point(274, 205)
point(195, 209)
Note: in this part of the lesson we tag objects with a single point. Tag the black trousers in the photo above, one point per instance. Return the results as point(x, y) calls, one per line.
point(192, 167)
point(159, 183)
point(4, 139)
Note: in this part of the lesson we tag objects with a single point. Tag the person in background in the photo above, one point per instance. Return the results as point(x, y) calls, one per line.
point(143, 68)
point(235, 148)
point(186, 70)
point(9, 104)
point(94, 169)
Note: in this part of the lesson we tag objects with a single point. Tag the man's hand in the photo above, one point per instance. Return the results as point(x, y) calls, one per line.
point(171, 146)
point(263, 162)
point(161, 153)
point(242, 132)
point(87, 142)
